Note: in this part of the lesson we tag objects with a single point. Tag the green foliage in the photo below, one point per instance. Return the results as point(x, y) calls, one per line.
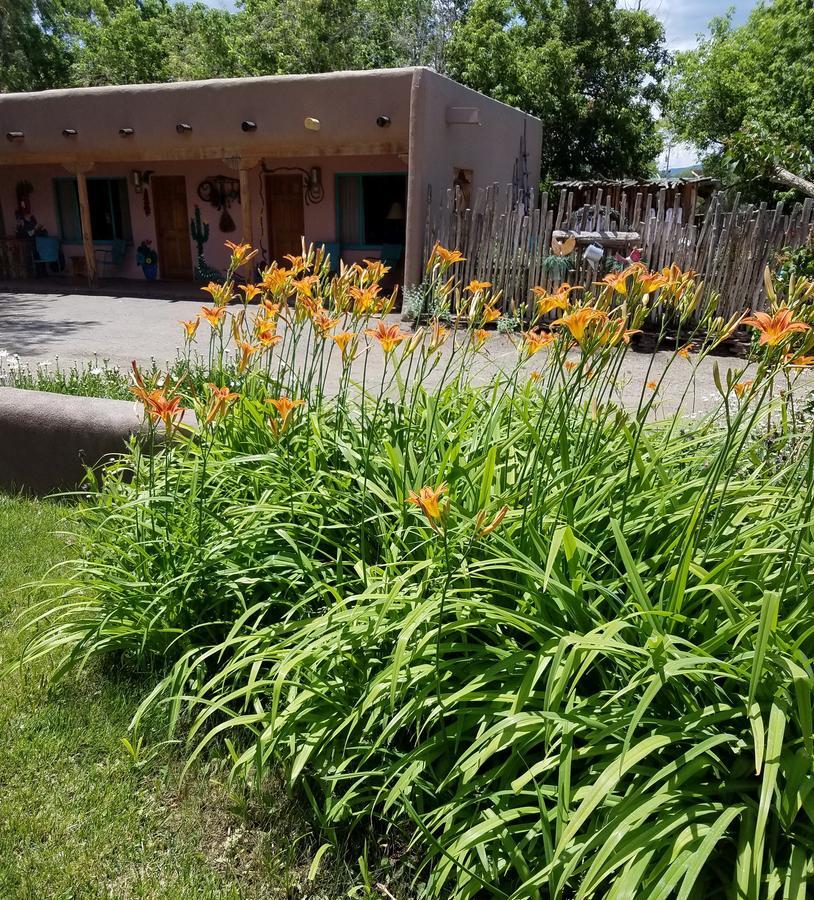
point(590, 71)
point(745, 95)
point(584, 673)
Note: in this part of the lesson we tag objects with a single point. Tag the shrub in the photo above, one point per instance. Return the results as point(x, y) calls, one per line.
point(553, 646)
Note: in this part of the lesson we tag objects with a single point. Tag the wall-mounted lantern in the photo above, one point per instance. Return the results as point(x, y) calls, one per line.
point(248, 125)
point(312, 124)
point(69, 132)
point(183, 128)
point(15, 135)
point(382, 121)
point(126, 132)
point(135, 176)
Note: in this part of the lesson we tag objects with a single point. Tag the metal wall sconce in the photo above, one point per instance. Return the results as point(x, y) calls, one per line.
point(382, 121)
point(126, 132)
point(248, 125)
point(311, 181)
point(135, 175)
point(69, 132)
point(312, 124)
point(15, 135)
point(183, 128)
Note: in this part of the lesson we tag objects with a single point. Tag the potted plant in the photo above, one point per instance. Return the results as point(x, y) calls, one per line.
point(147, 258)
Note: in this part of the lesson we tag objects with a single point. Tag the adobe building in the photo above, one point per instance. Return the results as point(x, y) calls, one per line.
point(346, 159)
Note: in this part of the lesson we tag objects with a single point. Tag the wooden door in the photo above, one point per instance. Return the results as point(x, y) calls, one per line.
point(171, 226)
point(286, 215)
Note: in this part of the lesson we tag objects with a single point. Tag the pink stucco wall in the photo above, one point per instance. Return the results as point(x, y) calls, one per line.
point(320, 218)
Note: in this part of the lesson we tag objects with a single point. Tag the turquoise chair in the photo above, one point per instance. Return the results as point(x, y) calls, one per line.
point(45, 252)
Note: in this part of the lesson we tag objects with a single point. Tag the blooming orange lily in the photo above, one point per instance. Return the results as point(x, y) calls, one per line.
point(775, 329)
point(247, 350)
point(579, 322)
point(482, 529)
point(535, 340)
point(343, 340)
point(477, 287)
point(250, 291)
point(241, 254)
point(214, 315)
point(741, 387)
point(479, 336)
point(221, 398)
point(444, 258)
point(429, 502)
point(190, 327)
point(685, 351)
point(221, 294)
point(267, 334)
point(389, 336)
point(284, 406)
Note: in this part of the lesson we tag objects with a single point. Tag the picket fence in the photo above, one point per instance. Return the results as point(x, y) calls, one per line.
point(728, 246)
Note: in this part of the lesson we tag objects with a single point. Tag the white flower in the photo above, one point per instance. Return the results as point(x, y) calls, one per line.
point(43, 364)
point(3, 354)
point(96, 371)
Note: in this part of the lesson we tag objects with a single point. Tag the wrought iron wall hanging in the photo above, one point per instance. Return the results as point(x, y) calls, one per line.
point(221, 191)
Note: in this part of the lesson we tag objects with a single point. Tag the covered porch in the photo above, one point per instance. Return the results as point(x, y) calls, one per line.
point(169, 220)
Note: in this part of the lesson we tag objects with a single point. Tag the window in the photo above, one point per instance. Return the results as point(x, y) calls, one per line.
point(371, 209)
point(107, 204)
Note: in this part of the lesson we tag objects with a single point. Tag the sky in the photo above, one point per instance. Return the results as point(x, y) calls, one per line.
point(683, 21)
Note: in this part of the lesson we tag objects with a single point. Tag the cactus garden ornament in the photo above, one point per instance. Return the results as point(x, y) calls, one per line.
point(199, 231)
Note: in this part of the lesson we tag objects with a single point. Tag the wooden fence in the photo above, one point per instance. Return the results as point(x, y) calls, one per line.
point(728, 246)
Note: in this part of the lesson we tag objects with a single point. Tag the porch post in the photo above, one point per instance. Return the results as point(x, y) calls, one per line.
point(245, 165)
point(84, 217)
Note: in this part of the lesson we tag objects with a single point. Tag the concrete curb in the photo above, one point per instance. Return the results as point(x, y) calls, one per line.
point(48, 440)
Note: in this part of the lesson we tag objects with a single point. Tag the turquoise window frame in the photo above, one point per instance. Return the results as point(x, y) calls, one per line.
point(77, 217)
point(338, 210)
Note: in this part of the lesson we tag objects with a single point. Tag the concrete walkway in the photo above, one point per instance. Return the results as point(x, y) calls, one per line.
point(81, 328)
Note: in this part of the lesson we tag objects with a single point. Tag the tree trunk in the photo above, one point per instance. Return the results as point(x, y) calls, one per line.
point(783, 176)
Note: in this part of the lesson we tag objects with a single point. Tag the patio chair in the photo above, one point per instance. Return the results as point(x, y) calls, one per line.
point(45, 252)
point(111, 257)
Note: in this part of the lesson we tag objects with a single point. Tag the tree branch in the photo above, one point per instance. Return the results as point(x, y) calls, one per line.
point(783, 176)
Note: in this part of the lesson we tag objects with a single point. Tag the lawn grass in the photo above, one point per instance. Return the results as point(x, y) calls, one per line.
point(78, 817)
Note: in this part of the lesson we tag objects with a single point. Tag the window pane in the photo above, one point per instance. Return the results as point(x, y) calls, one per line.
point(68, 210)
point(121, 206)
point(348, 203)
point(385, 201)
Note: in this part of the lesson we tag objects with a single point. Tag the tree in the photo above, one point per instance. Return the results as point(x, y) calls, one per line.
point(745, 96)
point(589, 70)
point(34, 54)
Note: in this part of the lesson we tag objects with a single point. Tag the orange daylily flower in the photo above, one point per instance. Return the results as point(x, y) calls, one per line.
point(241, 254)
point(250, 291)
point(578, 322)
point(275, 279)
point(297, 263)
point(389, 336)
point(741, 387)
point(190, 327)
point(535, 375)
point(479, 336)
point(570, 365)
point(444, 258)
point(323, 323)
point(685, 351)
point(214, 315)
point(158, 404)
point(284, 406)
point(429, 501)
point(535, 340)
point(247, 350)
point(801, 362)
point(477, 287)
point(490, 314)
point(343, 339)
point(221, 293)
point(652, 281)
point(775, 329)
point(221, 398)
point(652, 385)
point(267, 333)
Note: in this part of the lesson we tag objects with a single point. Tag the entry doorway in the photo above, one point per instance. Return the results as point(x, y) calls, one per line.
point(286, 215)
point(171, 226)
